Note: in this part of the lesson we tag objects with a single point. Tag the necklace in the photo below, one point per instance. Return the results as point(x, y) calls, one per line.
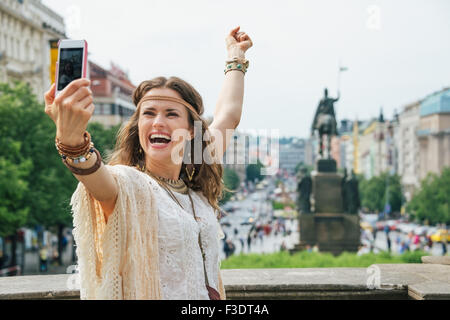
point(175, 185)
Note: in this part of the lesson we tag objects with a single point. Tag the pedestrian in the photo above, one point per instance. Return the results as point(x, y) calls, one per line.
point(388, 238)
point(444, 240)
point(429, 243)
point(398, 242)
point(416, 242)
point(261, 235)
point(228, 248)
point(150, 190)
point(55, 256)
point(43, 256)
point(64, 242)
point(283, 246)
point(249, 242)
point(242, 241)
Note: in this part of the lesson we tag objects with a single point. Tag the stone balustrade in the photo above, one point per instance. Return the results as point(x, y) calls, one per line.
point(380, 281)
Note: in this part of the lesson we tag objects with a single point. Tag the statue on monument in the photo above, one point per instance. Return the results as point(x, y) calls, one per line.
point(325, 122)
point(352, 194)
point(304, 189)
point(344, 191)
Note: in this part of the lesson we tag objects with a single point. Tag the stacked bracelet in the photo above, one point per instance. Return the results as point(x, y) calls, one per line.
point(84, 172)
point(79, 154)
point(236, 64)
point(75, 152)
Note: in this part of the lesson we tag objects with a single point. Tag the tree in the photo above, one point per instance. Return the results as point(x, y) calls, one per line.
point(231, 181)
point(50, 184)
point(32, 173)
point(380, 190)
point(301, 164)
point(432, 201)
point(253, 172)
point(103, 138)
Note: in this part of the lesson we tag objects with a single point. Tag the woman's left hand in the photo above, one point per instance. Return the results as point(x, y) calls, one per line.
point(238, 43)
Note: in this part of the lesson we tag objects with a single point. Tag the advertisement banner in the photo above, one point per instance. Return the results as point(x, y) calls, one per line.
point(53, 58)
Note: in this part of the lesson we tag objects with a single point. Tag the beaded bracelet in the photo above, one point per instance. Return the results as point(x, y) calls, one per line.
point(82, 158)
point(236, 64)
point(84, 172)
point(75, 152)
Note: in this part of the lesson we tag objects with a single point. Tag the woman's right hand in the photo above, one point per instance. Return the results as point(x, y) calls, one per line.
point(70, 111)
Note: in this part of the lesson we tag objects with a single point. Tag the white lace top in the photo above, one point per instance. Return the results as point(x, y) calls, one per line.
point(180, 259)
point(149, 248)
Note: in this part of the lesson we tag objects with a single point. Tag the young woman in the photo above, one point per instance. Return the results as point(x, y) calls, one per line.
point(146, 223)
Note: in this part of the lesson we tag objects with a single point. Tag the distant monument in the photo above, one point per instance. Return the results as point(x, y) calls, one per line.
point(325, 122)
point(333, 223)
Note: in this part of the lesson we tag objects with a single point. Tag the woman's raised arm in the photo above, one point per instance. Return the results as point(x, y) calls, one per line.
point(228, 110)
point(71, 111)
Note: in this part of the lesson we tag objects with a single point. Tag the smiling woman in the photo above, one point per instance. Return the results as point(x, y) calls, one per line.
point(145, 224)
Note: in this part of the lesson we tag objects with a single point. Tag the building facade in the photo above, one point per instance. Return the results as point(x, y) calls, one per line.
point(26, 27)
point(292, 154)
point(112, 91)
point(434, 133)
point(407, 145)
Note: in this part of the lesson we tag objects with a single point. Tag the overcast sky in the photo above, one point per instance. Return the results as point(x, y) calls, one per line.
point(396, 51)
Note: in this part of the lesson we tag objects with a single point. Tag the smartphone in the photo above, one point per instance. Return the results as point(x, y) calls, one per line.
point(72, 62)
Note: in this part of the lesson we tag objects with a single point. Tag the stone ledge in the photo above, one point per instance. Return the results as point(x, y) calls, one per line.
point(396, 281)
point(429, 290)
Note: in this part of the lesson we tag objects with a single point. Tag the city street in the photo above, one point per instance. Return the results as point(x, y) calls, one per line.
point(396, 238)
point(257, 209)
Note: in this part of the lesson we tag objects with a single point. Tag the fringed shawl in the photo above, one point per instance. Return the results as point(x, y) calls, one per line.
point(119, 259)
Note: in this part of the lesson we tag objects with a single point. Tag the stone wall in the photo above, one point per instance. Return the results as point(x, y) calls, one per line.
point(383, 281)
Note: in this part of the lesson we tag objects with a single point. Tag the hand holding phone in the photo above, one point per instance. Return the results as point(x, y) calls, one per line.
point(69, 101)
point(72, 62)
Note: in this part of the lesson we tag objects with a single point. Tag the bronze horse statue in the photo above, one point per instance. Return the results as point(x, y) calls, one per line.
point(325, 121)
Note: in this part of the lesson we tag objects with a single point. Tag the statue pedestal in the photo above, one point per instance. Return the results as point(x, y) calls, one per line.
point(327, 192)
point(332, 232)
point(328, 227)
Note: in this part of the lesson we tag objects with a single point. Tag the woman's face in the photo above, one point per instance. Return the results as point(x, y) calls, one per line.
point(158, 119)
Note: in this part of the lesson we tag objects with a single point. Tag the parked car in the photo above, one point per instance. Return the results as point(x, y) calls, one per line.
point(439, 236)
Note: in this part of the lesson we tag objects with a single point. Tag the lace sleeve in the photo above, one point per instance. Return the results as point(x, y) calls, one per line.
point(98, 244)
point(118, 259)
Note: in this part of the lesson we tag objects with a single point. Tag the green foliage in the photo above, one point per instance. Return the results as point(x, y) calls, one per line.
point(13, 187)
point(280, 206)
point(431, 202)
point(35, 186)
point(300, 165)
point(104, 138)
point(232, 182)
point(253, 172)
point(306, 259)
point(50, 183)
point(374, 196)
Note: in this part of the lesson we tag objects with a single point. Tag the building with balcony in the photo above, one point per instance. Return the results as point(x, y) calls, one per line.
point(407, 144)
point(112, 91)
point(26, 27)
point(434, 133)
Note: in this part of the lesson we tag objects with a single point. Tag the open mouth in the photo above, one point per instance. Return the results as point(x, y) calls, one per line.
point(158, 139)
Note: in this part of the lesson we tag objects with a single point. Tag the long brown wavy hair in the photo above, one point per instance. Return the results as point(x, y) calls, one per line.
point(207, 177)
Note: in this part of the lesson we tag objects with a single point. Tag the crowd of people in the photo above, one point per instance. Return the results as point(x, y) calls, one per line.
point(402, 243)
point(257, 235)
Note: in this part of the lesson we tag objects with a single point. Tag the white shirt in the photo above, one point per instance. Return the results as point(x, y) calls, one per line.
point(181, 264)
